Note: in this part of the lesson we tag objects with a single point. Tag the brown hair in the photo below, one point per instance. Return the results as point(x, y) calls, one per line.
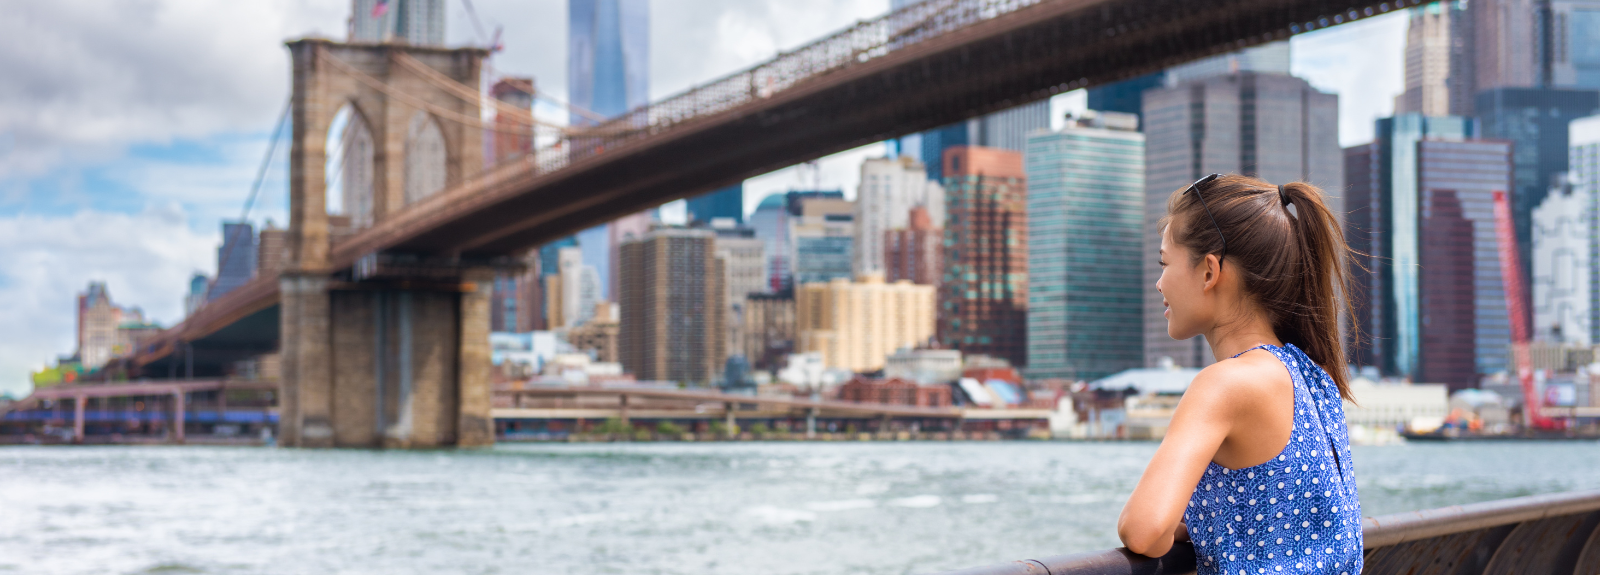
point(1290, 250)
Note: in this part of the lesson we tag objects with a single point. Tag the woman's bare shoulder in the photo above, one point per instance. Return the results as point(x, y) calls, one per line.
point(1249, 374)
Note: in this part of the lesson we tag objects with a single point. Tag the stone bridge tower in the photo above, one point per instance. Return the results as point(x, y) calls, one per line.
point(380, 355)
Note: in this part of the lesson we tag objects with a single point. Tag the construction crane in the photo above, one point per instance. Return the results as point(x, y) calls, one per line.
point(1517, 310)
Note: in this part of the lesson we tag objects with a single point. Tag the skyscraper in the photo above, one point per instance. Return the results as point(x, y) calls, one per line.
point(1272, 126)
point(415, 22)
point(608, 57)
point(572, 292)
point(888, 190)
point(1269, 58)
point(608, 73)
point(1085, 236)
point(821, 235)
point(916, 253)
point(1535, 120)
point(1007, 129)
point(672, 312)
point(724, 203)
point(513, 136)
point(236, 258)
point(1566, 246)
point(1127, 96)
point(1439, 63)
point(771, 223)
point(1432, 304)
point(1506, 39)
point(983, 297)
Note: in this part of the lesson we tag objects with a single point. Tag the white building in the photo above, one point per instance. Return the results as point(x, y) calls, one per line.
point(1389, 406)
point(889, 188)
point(1565, 244)
point(925, 366)
point(572, 292)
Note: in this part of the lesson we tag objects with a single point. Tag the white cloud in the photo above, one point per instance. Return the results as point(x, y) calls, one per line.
point(1363, 62)
point(145, 259)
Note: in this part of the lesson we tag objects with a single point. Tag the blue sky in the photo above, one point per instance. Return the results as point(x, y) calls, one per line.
point(130, 130)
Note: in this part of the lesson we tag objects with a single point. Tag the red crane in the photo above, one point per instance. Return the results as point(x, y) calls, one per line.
point(1517, 309)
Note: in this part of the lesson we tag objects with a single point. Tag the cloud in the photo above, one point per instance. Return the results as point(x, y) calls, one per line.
point(145, 259)
point(86, 79)
point(1363, 62)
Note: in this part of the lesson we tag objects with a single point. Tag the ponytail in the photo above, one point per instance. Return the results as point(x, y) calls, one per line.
point(1292, 254)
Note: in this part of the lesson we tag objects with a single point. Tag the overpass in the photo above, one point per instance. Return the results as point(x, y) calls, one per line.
point(920, 67)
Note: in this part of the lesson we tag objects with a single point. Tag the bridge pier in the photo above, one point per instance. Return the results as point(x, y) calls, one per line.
point(396, 364)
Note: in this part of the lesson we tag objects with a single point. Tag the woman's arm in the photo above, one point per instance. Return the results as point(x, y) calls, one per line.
point(1154, 513)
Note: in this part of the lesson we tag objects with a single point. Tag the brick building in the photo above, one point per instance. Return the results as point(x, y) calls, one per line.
point(983, 296)
point(894, 391)
point(672, 307)
point(914, 253)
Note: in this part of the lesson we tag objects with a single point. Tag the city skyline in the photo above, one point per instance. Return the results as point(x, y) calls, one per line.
point(204, 168)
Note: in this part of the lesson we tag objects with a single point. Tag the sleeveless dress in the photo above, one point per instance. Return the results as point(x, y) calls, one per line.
point(1297, 513)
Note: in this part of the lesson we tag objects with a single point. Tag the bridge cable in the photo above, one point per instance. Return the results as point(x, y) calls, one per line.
point(249, 202)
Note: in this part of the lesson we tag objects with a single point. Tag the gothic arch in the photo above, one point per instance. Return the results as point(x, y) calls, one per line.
point(352, 166)
point(426, 158)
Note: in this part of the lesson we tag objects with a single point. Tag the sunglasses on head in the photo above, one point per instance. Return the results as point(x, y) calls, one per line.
point(1195, 187)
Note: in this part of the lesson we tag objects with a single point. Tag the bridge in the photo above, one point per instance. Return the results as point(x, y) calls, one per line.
point(382, 325)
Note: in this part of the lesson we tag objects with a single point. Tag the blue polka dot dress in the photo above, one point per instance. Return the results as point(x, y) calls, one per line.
point(1297, 513)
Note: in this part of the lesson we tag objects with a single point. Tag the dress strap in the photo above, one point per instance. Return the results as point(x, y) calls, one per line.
point(1266, 346)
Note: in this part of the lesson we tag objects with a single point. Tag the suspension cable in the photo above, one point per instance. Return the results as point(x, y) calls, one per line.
point(250, 201)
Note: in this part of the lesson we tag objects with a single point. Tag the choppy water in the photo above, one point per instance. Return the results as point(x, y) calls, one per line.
point(640, 508)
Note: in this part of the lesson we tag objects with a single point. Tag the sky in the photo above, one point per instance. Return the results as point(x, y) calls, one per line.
point(130, 130)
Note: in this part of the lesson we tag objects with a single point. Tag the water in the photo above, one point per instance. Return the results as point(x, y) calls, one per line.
point(782, 508)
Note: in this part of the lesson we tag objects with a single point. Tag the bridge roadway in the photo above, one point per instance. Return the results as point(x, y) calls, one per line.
point(724, 404)
point(927, 65)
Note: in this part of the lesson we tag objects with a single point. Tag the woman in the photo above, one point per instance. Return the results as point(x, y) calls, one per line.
point(1255, 468)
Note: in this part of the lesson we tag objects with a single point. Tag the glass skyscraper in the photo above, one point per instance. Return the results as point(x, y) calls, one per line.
point(1536, 120)
point(608, 56)
point(724, 203)
point(608, 73)
point(415, 22)
point(1085, 234)
point(236, 258)
point(1430, 298)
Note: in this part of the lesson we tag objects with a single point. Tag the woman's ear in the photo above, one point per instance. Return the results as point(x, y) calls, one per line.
point(1213, 271)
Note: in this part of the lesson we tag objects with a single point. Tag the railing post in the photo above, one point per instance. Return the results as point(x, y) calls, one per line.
point(625, 420)
point(811, 423)
point(728, 421)
point(179, 406)
point(77, 418)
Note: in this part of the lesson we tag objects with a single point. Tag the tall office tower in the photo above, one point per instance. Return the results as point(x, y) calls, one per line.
point(513, 136)
point(672, 294)
point(608, 57)
point(768, 329)
point(571, 293)
point(821, 234)
point(1127, 96)
point(856, 325)
point(530, 294)
point(414, 22)
point(608, 73)
point(1506, 39)
point(98, 319)
point(1574, 59)
point(771, 223)
point(271, 249)
point(1535, 120)
point(1006, 129)
point(1085, 237)
point(1270, 58)
point(889, 188)
point(1566, 246)
point(1439, 61)
point(236, 258)
point(744, 258)
point(983, 297)
point(1433, 307)
point(915, 253)
point(1272, 126)
point(724, 203)
point(197, 293)
point(1563, 268)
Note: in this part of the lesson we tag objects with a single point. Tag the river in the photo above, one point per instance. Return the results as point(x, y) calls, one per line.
point(665, 508)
